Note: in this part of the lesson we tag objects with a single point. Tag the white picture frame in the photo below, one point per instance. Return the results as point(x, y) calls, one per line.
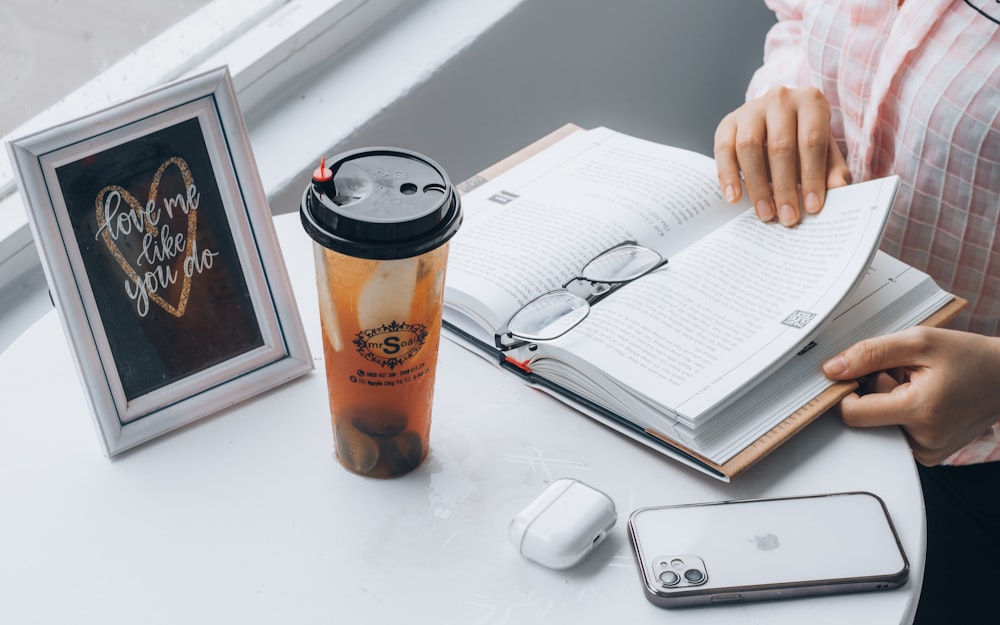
point(159, 249)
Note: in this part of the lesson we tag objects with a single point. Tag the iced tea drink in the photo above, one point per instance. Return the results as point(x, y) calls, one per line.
point(381, 350)
point(380, 278)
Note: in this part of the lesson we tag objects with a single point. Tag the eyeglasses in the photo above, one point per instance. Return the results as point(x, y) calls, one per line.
point(555, 313)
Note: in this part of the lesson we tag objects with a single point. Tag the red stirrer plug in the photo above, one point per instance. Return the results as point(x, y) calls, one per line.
point(322, 173)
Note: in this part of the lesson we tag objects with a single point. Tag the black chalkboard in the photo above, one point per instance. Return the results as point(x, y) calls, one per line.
point(160, 257)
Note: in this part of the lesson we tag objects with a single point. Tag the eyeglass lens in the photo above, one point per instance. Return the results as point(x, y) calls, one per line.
point(620, 264)
point(555, 313)
point(549, 316)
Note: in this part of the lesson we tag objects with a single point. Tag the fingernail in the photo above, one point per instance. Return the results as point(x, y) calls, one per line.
point(812, 204)
point(835, 367)
point(731, 194)
point(765, 210)
point(787, 215)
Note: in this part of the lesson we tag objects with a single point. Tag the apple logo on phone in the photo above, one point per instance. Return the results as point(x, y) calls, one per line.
point(767, 542)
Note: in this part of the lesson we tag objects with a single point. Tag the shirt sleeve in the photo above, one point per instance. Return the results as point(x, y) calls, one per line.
point(784, 52)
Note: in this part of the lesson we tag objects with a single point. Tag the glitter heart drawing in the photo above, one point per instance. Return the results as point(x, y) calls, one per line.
point(156, 235)
point(161, 235)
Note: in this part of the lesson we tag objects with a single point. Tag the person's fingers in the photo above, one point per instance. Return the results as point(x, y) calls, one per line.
point(884, 382)
point(781, 148)
point(878, 354)
point(838, 173)
point(750, 152)
point(783, 159)
point(727, 166)
point(891, 403)
point(877, 409)
point(813, 146)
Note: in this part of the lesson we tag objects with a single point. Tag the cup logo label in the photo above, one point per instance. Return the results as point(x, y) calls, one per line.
point(391, 344)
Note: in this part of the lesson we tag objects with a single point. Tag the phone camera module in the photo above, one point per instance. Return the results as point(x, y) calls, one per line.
point(677, 571)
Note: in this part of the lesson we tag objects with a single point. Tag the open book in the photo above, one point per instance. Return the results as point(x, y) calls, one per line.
point(713, 356)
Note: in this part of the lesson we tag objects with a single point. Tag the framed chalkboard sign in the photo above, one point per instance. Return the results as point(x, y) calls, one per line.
point(161, 258)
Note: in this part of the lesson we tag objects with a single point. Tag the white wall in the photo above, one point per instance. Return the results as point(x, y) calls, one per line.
point(667, 70)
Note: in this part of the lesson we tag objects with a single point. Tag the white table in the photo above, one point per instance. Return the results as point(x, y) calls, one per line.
point(246, 517)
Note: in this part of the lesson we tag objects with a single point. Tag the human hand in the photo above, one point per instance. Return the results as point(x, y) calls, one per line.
point(941, 386)
point(777, 142)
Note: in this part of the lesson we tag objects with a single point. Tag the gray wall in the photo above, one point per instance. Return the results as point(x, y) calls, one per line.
point(667, 70)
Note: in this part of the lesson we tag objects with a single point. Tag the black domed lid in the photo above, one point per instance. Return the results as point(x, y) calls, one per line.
point(381, 203)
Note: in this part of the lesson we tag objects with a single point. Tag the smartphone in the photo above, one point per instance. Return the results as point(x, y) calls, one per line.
point(749, 550)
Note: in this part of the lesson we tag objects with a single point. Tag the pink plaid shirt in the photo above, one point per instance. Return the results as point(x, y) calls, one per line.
point(915, 91)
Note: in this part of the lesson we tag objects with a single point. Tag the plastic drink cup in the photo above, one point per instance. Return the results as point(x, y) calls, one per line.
point(381, 219)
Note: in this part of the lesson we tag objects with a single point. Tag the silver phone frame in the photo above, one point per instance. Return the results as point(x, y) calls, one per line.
point(708, 595)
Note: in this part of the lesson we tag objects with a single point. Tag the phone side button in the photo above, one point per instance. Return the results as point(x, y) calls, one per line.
point(724, 598)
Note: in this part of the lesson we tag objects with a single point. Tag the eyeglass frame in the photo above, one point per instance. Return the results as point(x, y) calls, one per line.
point(590, 299)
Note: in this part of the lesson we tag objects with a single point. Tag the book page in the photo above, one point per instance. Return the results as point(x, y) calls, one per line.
point(729, 308)
point(532, 229)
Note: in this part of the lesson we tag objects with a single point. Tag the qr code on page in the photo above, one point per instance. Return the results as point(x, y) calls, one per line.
point(799, 319)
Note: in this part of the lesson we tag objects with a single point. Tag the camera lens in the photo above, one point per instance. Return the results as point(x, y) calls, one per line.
point(669, 578)
point(694, 576)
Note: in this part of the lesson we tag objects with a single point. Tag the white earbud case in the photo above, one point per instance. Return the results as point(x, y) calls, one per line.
point(563, 524)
